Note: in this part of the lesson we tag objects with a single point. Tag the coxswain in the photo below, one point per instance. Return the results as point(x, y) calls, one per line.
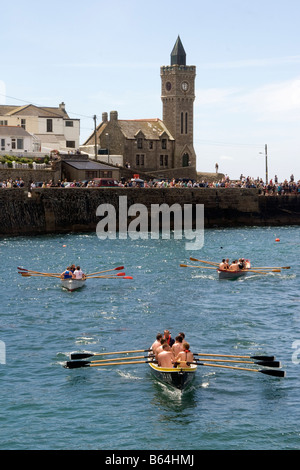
point(185, 357)
point(167, 336)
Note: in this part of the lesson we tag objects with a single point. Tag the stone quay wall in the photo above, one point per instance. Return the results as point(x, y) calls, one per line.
point(62, 210)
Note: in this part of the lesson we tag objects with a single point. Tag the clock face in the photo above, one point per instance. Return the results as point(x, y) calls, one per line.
point(168, 86)
point(184, 86)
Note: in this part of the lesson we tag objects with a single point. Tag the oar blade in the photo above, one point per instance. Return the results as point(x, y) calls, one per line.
point(275, 373)
point(76, 364)
point(120, 267)
point(269, 363)
point(263, 358)
point(80, 355)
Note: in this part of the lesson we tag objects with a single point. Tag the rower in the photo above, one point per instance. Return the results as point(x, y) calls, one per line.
point(78, 273)
point(67, 274)
point(178, 345)
point(166, 357)
point(234, 266)
point(222, 264)
point(156, 343)
point(185, 357)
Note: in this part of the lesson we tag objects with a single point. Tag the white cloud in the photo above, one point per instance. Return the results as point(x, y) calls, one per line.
point(270, 102)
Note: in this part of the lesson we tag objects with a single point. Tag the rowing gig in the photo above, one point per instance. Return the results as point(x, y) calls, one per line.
point(178, 377)
point(72, 284)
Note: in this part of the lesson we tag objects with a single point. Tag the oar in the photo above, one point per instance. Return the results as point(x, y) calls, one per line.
point(116, 359)
point(106, 270)
point(207, 262)
point(86, 355)
point(36, 272)
point(103, 275)
point(276, 364)
point(191, 266)
point(258, 358)
point(266, 267)
point(110, 277)
point(263, 272)
point(77, 364)
point(39, 275)
point(276, 373)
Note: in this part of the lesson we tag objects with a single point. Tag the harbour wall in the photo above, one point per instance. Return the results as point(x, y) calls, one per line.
point(62, 210)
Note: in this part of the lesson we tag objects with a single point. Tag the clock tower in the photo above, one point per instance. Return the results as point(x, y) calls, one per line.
point(178, 95)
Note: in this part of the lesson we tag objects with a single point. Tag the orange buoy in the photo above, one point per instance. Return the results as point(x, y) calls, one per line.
point(277, 239)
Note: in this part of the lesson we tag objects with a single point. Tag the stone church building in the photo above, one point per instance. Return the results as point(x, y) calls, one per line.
point(162, 148)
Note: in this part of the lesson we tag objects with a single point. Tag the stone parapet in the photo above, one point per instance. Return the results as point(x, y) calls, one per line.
point(64, 210)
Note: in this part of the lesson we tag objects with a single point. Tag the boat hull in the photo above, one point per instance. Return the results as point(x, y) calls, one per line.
point(178, 377)
point(72, 284)
point(232, 274)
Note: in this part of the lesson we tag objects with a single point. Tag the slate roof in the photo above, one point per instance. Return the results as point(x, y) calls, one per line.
point(13, 131)
point(32, 110)
point(88, 165)
point(151, 128)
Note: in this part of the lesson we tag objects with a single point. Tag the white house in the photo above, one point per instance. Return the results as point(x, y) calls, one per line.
point(51, 126)
point(14, 139)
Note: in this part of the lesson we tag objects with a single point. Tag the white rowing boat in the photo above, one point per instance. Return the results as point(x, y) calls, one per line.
point(72, 284)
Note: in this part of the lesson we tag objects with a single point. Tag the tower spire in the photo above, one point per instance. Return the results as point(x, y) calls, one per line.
point(178, 55)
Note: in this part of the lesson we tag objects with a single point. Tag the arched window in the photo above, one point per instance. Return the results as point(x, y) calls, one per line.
point(185, 159)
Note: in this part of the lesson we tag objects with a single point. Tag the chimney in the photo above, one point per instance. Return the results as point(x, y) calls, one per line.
point(104, 117)
point(62, 107)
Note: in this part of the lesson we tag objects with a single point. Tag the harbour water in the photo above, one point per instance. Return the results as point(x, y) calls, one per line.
point(46, 406)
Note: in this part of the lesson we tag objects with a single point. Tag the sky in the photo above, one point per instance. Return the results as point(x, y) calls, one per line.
point(98, 56)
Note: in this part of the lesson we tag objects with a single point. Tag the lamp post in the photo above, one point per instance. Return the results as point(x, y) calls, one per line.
point(95, 134)
point(266, 156)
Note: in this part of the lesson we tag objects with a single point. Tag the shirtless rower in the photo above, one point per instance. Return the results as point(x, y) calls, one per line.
point(166, 357)
point(185, 356)
point(159, 349)
point(223, 265)
point(234, 266)
point(178, 345)
point(156, 343)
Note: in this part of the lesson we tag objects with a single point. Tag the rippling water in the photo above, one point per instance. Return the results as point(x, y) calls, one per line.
point(45, 406)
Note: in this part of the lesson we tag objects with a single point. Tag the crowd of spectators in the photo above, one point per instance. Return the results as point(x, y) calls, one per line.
point(274, 187)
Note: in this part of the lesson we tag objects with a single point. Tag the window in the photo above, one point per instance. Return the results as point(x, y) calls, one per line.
point(140, 143)
point(69, 123)
point(23, 123)
point(20, 144)
point(164, 144)
point(151, 144)
point(49, 125)
point(184, 123)
point(70, 144)
point(163, 160)
point(90, 175)
point(2, 144)
point(13, 143)
point(140, 159)
point(3, 123)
